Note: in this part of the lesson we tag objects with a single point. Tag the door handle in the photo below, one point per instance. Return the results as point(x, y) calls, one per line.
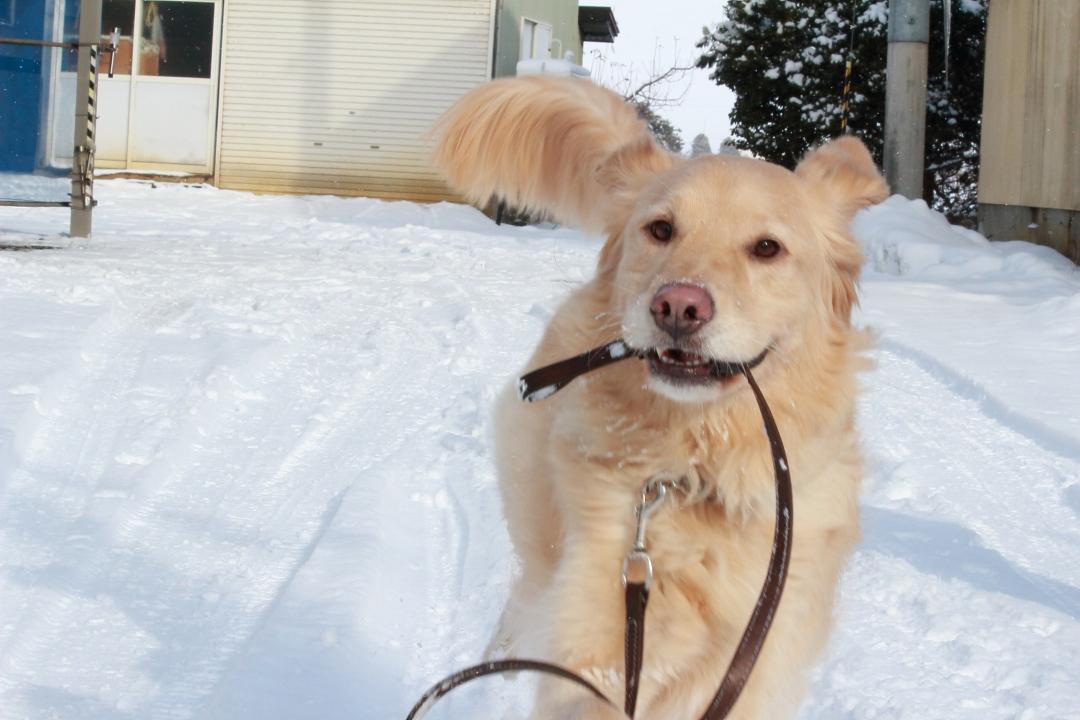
point(114, 41)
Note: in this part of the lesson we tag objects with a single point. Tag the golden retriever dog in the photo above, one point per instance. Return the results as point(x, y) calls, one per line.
point(712, 258)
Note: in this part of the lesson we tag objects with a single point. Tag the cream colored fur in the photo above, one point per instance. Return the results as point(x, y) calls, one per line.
point(572, 467)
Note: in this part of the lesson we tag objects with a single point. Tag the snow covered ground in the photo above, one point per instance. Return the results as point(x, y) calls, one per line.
point(245, 469)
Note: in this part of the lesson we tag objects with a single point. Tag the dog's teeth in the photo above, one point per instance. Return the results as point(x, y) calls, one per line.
point(681, 359)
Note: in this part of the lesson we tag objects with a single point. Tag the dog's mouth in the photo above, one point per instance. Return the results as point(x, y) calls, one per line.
point(684, 367)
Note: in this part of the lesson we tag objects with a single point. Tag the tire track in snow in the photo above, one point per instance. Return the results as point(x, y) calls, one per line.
point(407, 470)
point(294, 489)
point(275, 490)
point(66, 448)
point(957, 590)
point(917, 425)
point(369, 454)
point(1047, 438)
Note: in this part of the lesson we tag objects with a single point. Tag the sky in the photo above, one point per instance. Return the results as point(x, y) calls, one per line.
point(663, 34)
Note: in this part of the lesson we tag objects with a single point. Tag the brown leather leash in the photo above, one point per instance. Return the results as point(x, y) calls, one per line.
point(637, 568)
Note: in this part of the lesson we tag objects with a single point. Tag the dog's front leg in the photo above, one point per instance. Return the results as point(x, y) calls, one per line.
point(532, 521)
point(587, 625)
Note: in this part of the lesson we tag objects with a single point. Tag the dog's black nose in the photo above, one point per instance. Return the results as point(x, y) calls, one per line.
point(680, 309)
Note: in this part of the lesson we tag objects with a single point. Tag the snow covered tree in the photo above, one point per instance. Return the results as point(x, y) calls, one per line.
point(728, 147)
point(665, 133)
point(700, 146)
point(785, 62)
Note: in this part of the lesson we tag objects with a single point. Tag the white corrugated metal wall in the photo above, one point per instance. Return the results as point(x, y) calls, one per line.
point(336, 96)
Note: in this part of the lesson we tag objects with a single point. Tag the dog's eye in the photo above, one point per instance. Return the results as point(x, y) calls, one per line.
point(660, 230)
point(767, 248)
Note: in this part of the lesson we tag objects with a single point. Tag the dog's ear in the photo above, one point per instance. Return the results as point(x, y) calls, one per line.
point(562, 146)
point(622, 176)
point(843, 174)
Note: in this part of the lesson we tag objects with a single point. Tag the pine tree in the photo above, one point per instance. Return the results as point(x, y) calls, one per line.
point(785, 62)
point(700, 146)
point(665, 133)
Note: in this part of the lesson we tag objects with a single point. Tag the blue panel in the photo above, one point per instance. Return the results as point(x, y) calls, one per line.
point(21, 82)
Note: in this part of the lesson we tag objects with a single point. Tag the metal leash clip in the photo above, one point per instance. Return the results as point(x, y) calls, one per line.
point(637, 566)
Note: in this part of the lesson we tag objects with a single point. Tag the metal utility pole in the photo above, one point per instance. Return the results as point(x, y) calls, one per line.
point(905, 96)
point(82, 161)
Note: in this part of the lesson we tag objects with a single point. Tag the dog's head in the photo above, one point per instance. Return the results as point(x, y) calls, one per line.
point(723, 260)
point(708, 262)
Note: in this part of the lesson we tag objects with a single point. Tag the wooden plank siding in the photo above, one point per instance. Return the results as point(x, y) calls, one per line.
point(338, 96)
point(1030, 154)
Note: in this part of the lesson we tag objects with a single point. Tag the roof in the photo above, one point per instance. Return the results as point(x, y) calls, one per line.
point(597, 24)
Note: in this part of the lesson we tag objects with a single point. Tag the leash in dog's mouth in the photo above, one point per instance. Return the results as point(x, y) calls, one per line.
point(672, 363)
point(546, 381)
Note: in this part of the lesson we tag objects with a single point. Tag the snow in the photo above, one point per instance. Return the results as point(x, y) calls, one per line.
point(877, 12)
point(245, 468)
point(973, 6)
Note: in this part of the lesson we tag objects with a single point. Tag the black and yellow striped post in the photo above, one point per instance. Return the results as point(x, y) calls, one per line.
point(845, 98)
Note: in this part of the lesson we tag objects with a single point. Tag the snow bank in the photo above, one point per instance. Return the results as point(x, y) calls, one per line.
point(998, 321)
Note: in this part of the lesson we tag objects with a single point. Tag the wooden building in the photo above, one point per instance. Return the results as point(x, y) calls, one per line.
point(1029, 180)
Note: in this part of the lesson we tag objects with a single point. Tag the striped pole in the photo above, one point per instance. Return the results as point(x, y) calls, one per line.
point(82, 159)
point(91, 128)
point(844, 98)
point(845, 95)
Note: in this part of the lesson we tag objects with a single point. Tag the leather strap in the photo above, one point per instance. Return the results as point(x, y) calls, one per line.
point(546, 381)
point(637, 598)
point(757, 629)
point(761, 618)
point(496, 667)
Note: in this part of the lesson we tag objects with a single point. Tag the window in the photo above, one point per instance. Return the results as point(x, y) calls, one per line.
point(535, 40)
point(116, 15)
point(176, 38)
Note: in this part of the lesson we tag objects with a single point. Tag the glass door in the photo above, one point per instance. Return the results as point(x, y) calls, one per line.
point(174, 90)
point(159, 109)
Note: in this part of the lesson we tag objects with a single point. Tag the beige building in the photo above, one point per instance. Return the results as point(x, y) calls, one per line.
point(335, 96)
point(300, 96)
point(1029, 179)
point(338, 96)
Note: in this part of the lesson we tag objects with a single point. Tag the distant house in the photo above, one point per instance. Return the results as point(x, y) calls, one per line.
point(1029, 178)
point(296, 96)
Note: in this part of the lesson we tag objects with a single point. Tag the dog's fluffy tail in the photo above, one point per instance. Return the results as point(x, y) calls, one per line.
point(540, 144)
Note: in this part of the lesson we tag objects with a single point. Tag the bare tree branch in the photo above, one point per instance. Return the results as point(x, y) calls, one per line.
point(664, 84)
point(672, 74)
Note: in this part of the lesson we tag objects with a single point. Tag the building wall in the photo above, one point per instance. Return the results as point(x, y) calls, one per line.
point(562, 15)
point(1059, 229)
point(21, 84)
point(1030, 152)
point(338, 96)
point(1030, 162)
